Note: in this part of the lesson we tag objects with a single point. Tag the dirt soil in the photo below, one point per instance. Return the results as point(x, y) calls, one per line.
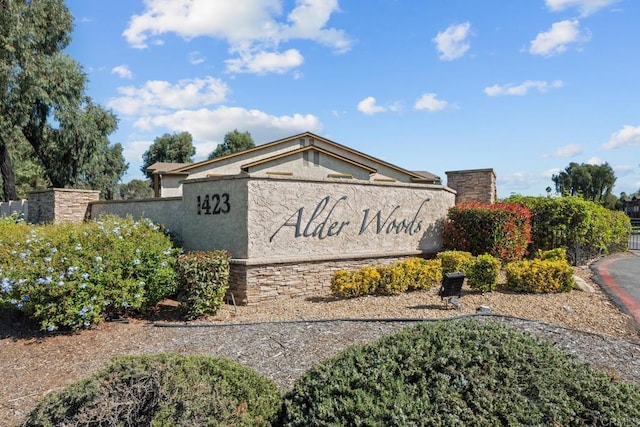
point(33, 365)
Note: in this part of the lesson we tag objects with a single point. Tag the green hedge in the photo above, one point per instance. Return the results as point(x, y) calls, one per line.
point(163, 390)
point(72, 276)
point(583, 228)
point(204, 280)
point(458, 373)
point(501, 229)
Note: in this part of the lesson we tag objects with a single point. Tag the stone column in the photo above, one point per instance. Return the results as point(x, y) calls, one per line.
point(474, 185)
point(57, 205)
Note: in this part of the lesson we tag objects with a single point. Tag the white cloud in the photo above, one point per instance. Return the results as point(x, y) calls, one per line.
point(525, 182)
point(156, 96)
point(368, 106)
point(627, 136)
point(123, 71)
point(556, 40)
point(307, 21)
point(265, 62)
point(586, 7)
point(523, 88)
point(252, 28)
point(207, 125)
point(595, 161)
point(196, 58)
point(452, 43)
point(133, 150)
point(431, 103)
point(231, 20)
point(569, 150)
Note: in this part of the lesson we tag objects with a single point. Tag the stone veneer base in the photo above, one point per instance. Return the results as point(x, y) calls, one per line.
point(252, 284)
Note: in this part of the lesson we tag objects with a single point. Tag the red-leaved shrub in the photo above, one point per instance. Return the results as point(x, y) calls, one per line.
point(500, 229)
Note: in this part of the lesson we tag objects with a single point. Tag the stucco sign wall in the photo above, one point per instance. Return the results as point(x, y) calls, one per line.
point(283, 219)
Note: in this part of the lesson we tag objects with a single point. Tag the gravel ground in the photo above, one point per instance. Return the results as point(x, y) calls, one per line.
point(283, 338)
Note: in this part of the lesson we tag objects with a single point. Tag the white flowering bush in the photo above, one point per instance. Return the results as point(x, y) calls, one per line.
point(72, 276)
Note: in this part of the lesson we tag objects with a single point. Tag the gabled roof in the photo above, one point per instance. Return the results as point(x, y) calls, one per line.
point(413, 175)
point(247, 166)
point(165, 167)
point(426, 176)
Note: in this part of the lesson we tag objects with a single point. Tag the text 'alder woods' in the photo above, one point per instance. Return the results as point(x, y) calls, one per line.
point(323, 221)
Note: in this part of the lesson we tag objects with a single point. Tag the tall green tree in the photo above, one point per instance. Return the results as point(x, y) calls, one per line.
point(29, 173)
point(79, 147)
point(171, 148)
point(233, 142)
point(591, 182)
point(136, 189)
point(103, 171)
point(42, 97)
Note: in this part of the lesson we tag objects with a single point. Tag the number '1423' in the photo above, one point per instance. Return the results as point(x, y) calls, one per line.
point(214, 205)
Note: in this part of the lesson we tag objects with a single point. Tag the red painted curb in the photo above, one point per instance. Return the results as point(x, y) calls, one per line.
point(627, 300)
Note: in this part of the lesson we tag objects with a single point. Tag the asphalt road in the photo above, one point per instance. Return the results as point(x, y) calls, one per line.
point(619, 276)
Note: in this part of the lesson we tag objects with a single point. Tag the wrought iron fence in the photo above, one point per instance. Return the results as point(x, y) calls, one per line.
point(634, 239)
point(577, 252)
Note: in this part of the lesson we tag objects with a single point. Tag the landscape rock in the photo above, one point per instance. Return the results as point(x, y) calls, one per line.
point(582, 285)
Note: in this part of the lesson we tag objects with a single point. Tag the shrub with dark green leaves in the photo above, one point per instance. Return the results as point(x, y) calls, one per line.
point(163, 390)
point(539, 276)
point(580, 226)
point(462, 373)
point(483, 272)
point(204, 281)
point(70, 276)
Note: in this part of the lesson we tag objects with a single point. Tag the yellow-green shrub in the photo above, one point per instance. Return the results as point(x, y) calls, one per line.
point(350, 284)
point(393, 280)
point(539, 276)
point(482, 273)
point(422, 274)
point(454, 261)
point(411, 274)
point(557, 254)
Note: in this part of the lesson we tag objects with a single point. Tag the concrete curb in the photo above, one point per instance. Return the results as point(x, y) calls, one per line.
point(618, 294)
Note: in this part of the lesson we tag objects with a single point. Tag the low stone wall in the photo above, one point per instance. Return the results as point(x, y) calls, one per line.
point(20, 207)
point(57, 205)
point(166, 211)
point(253, 284)
point(474, 185)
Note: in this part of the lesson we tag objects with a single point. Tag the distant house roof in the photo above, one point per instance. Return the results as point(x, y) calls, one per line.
point(247, 166)
point(427, 176)
point(165, 167)
point(417, 176)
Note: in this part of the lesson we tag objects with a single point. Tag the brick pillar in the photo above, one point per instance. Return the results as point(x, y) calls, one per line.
point(475, 185)
point(56, 205)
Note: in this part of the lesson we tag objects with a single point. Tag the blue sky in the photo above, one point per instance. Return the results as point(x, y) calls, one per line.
point(523, 87)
